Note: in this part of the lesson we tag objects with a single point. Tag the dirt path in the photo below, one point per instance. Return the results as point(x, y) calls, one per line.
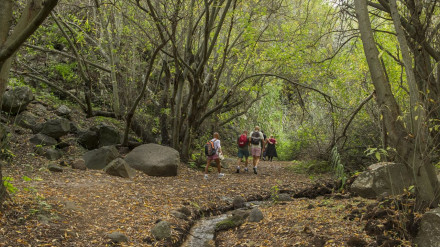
point(78, 208)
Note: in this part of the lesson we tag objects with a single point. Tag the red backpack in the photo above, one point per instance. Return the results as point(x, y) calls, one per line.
point(242, 140)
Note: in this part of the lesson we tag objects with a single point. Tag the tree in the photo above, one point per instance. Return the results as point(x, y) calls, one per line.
point(409, 143)
point(32, 16)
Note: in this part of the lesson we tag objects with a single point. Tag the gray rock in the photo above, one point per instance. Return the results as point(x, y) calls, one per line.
point(108, 135)
point(161, 230)
point(56, 127)
point(179, 215)
point(63, 111)
point(55, 168)
point(429, 232)
point(284, 197)
point(229, 223)
point(256, 215)
point(117, 237)
point(44, 140)
point(16, 100)
point(99, 158)
point(88, 139)
point(238, 202)
point(377, 180)
point(48, 153)
point(228, 162)
point(118, 167)
point(79, 164)
point(154, 160)
point(26, 120)
point(243, 214)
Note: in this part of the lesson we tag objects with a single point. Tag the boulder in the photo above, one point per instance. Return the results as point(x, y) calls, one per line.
point(283, 197)
point(108, 135)
point(429, 232)
point(154, 160)
point(26, 120)
point(161, 230)
point(255, 215)
point(179, 215)
point(377, 180)
point(49, 153)
point(63, 111)
point(118, 167)
point(79, 164)
point(56, 127)
point(238, 202)
point(43, 140)
point(55, 168)
point(99, 158)
point(229, 223)
point(88, 139)
point(228, 162)
point(16, 100)
point(117, 237)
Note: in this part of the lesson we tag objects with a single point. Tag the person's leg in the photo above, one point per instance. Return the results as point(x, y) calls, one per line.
point(238, 165)
point(207, 167)
point(246, 163)
point(256, 161)
point(219, 168)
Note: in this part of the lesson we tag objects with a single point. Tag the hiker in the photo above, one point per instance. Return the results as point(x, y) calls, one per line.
point(263, 148)
point(271, 150)
point(243, 150)
point(257, 140)
point(215, 142)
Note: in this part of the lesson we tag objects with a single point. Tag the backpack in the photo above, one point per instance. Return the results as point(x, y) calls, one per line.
point(210, 149)
point(242, 140)
point(255, 138)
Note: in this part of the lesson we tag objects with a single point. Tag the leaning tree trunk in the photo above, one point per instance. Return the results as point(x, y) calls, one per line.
point(407, 144)
point(33, 15)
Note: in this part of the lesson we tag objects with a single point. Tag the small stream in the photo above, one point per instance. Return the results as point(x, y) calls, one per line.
point(203, 231)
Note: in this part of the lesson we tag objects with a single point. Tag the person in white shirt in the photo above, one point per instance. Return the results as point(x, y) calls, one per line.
point(257, 139)
point(215, 157)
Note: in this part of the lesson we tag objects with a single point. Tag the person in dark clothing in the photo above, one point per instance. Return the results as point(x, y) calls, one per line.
point(263, 149)
point(271, 150)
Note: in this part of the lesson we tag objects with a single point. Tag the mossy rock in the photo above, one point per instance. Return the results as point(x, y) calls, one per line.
point(229, 223)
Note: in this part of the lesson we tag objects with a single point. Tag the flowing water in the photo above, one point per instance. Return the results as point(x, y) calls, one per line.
point(204, 229)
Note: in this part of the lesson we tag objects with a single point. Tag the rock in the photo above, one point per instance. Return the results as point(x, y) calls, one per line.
point(16, 100)
point(79, 164)
point(238, 202)
point(161, 230)
point(99, 158)
point(62, 145)
point(4, 142)
point(118, 167)
point(26, 120)
point(88, 139)
point(55, 168)
point(318, 241)
point(243, 214)
point(108, 136)
point(179, 215)
point(43, 140)
point(283, 197)
point(63, 111)
point(56, 127)
point(49, 153)
point(117, 237)
point(229, 223)
point(376, 180)
point(73, 128)
point(429, 232)
point(154, 160)
point(256, 215)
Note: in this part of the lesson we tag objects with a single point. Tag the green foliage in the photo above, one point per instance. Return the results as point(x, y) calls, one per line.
point(275, 191)
point(337, 166)
point(310, 167)
point(8, 185)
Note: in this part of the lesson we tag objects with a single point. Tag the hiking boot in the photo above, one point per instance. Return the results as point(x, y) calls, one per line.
point(246, 170)
point(220, 175)
point(206, 176)
point(255, 170)
point(238, 169)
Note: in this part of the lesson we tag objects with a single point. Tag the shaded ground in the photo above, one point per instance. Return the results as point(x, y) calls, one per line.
point(78, 208)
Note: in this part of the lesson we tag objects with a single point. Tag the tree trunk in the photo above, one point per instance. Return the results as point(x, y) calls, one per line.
point(32, 17)
point(405, 144)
